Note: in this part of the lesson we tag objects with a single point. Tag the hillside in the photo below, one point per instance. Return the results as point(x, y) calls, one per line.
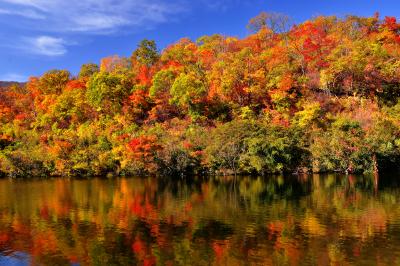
point(321, 96)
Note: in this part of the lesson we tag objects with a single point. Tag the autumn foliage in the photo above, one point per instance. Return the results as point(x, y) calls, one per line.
point(318, 96)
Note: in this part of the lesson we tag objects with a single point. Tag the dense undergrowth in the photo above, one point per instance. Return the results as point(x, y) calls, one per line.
point(321, 96)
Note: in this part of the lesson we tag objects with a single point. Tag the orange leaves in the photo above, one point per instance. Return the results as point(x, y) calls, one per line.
point(171, 64)
point(60, 148)
point(4, 137)
point(75, 85)
point(286, 83)
point(33, 86)
point(206, 57)
point(15, 106)
point(112, 63)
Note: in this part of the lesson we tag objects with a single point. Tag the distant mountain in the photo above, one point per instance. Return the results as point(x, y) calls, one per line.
point(5, 84)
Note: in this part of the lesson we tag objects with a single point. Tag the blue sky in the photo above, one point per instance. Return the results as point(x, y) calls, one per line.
point(38, 35)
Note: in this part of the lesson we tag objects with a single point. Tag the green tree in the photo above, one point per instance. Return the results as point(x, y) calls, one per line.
point(146, 53)
point(54, 81)
point(187, 92)
point(228, 144)
point(107, 91)
point(88, 70)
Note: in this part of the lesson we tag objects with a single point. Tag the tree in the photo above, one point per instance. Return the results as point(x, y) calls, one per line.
point(88, 70)
point(54, 81)
point(228, 144)
point(162, 82)
point(277, 22)
point(107, 91)
point(142, 151)
point(146, 53)
point(341, 148)
point(272, 149)
point(187, 91)
point(114, 63)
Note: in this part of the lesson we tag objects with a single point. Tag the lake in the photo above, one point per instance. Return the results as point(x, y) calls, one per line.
point(295, 220)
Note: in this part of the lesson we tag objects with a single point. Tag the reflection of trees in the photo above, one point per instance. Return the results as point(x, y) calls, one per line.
point(277, 220)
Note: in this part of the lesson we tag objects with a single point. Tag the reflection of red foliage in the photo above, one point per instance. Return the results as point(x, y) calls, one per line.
point(44, 212)
point(73, 259)
point(188, 206)
point(138, 247)
point(218, 250)
point(356, 251)
point(4, 238)
point(149, 261)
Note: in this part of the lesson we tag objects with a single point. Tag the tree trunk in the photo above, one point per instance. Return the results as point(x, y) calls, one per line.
point(376, 172)
point(375, 162)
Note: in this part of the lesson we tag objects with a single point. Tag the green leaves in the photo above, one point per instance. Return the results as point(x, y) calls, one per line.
point(107, 91)
point(146, 53)
point(54, 81)
point(187, 91)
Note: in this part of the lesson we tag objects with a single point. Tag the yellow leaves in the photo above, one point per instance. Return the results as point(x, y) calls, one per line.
point(336, 256)
point(231, 40)
point(313, 226)
point(310, 112)
point(326, 77)
point(391, 70)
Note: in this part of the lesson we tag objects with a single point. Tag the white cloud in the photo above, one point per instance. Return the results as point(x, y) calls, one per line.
point(94, 16)
point(13, 77)
point(221, 5)
point(45, 45)
point(27, 13)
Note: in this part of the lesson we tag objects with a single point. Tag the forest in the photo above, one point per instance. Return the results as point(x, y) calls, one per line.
point(320, 96)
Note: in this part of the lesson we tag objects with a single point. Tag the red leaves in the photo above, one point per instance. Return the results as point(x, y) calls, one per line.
point(187, 145)
point(144, 76)
point(15, 106)
point(391, 24)
point(21, 117)
point(139, 99)
point(134, 143)
point(137, 106)
point(143, 147)
point(315, 43)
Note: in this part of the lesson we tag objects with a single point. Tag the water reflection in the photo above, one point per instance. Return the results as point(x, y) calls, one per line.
point(305, 220)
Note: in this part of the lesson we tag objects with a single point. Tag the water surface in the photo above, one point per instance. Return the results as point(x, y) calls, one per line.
point(309, 220)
